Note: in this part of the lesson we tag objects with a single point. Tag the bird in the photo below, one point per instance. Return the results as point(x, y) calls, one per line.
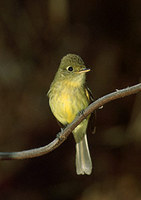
point(68, 97)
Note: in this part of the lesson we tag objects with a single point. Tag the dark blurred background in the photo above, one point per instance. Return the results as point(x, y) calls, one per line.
point(34, 36)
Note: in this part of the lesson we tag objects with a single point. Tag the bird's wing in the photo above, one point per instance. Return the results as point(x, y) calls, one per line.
point(92, 120)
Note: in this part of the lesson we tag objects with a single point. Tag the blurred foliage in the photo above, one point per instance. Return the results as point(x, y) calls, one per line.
point(34, 36)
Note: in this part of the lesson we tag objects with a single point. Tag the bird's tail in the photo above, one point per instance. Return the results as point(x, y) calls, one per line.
point(83, 159)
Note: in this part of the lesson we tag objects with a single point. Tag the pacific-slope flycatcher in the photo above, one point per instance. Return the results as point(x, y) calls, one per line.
point(68, 96)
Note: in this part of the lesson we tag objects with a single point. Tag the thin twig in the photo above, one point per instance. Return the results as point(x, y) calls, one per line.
point(65, 133)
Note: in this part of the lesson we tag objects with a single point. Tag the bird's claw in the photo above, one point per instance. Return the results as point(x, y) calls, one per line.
point(60, 134)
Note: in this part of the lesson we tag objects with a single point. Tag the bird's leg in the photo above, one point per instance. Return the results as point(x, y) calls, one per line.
point(81, 113)
point(60, 135)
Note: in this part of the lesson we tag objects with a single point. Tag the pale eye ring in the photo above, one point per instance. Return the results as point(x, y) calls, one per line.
point(70, 68)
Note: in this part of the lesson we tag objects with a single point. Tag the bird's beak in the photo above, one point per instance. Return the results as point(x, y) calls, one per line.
point(84, 70)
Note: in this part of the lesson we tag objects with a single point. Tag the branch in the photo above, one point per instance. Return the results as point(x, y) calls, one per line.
point(65, 133)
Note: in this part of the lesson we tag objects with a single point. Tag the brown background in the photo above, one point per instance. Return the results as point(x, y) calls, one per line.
point(34, 36)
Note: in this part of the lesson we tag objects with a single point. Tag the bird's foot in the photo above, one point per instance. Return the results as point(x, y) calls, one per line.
point(60, 134)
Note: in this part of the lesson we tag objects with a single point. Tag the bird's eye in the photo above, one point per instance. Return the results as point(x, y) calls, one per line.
point(70, 68)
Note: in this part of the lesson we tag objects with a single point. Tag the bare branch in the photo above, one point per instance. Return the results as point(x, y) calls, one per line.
point(65, 133)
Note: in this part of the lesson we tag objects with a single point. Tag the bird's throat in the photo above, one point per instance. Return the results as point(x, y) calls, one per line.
point(74, 82)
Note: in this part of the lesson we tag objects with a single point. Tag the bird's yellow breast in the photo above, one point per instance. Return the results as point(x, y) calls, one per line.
point(67, 101)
